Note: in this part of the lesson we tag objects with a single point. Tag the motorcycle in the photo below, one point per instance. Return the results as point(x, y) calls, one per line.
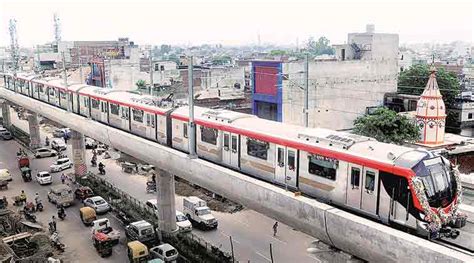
point(54, 238)
point(39, 206)
point(61, 214)
point(29, 216)
point(101, 170)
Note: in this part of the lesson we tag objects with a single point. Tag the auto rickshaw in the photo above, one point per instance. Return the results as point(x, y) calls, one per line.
point(26, 173)
point(103, 244)
point(137, 252)
point(88, 215)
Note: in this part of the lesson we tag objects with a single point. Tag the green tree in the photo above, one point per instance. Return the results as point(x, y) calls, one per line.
point(413, 81)
point(278, 52)
point(320, 47)
point(165, 49)
point(140, 84)
point(387, 126)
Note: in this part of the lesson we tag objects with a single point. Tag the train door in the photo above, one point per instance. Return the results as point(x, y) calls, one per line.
point(369, 190)
point(354, 189)
point(103, 112)
point(150, 125)
point(230, 150)
point(70, 101)
point(287, 166)
point(125, 115)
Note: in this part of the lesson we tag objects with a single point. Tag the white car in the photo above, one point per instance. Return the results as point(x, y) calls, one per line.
point(45, 152)
point(98, 204)
point(61, 132)
point(58, 145)
point(5, 175)
point(60, 165)
point(184, 225)
point(165, 252)
point(44, 178)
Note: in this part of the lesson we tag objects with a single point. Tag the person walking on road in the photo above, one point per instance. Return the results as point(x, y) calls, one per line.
point(53, 223)
point(275, 229)
point(63, 178)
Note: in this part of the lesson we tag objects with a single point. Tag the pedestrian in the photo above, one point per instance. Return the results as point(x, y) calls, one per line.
point(275, 228)
point(63, 178)
point(65, 138)
point(53, 223)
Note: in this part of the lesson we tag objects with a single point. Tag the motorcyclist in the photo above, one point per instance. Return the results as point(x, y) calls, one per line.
point(46, 141)
point(61, 212)
point(38, 203)
point(101, 168)
point(94, 160)
point(23, 196)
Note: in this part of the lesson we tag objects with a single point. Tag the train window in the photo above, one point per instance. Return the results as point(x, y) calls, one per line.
point(185, 130)
point(40, 87)
point(95, 104)
point(86, 101)
point(209, 135)
point(322, 168)
point(51, 91)
point(226, 142)
point(150, 120)
point(234, 143)
point(355, 177)
point(291, 160)
point(114, 109)
point(258, 149)
point(104, 107)
point(281, 157)
point(369, 181)
point(63, 94)
point(137, 115)
point(124, 113)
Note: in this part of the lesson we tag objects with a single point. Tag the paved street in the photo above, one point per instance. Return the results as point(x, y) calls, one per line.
point(251, 232)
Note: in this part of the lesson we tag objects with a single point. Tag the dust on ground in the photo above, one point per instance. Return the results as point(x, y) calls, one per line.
point(185, 188)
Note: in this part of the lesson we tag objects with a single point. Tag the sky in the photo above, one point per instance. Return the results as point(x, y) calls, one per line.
point(231, 22)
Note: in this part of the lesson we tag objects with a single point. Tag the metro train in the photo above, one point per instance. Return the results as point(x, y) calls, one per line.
point(403, 187)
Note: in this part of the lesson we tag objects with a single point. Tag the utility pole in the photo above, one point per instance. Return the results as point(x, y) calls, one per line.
point(151, 70)
point(64, 68)
point(191, 125)
point(306, 91)
point(14, 48)
point(80, 71)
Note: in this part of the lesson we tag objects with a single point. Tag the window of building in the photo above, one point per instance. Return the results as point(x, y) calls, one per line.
point(137, 115)
point(369, 181)
point(157, 67)
point(185, 130)
point(291, 160)
point(355, 177)
point(258, 149)
point(209, 135)
point(321, 166)
point(114, 109)
point(95, 104)
point(469, 116)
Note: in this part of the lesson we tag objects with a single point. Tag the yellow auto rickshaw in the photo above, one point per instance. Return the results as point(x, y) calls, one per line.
point(137, 252)
point(87, 215)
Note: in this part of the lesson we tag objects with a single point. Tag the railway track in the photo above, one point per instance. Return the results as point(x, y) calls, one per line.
point(464, 243)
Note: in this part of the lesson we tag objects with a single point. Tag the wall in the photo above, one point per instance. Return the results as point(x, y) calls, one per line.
point(353, 234)
point(339, 91)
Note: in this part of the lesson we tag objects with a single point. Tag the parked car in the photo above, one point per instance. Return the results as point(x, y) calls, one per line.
point(61, 194)
point(83, 192)
point(44, 178)
point(90, 143)
point(5, 175)
point(183, 223)
point(5, 134)
point(45, 152)
point(165, 252)
point(61, 132)
point(60, 165)
point(58, 145)
point(98, 203)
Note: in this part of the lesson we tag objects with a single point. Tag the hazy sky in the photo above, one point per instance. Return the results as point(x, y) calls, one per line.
point(236, 22)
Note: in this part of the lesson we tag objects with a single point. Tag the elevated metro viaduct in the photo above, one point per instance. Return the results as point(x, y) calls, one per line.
point(353, 234)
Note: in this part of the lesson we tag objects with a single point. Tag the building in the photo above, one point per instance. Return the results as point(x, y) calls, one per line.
point(431, 113)
point(464, 109)
point(339, 91)
point(82, 51)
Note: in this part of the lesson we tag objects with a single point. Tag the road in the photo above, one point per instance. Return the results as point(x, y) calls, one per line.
point(251, 231)
point(73, 233)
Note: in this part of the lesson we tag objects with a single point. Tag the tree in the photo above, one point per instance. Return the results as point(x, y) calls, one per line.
point(319, 47)
point(413, 81)
point(140, 84)
point(165, 49)
point(387, 126)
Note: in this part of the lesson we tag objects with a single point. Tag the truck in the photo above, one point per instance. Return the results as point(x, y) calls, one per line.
point(197, 211)
point(103, 226)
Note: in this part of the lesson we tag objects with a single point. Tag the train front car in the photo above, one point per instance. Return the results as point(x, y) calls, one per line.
point(437, 193)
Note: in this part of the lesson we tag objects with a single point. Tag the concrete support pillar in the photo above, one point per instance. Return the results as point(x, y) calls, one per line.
point(7, 121)
point(78, 154)
point(33, 124)
point(166, 206)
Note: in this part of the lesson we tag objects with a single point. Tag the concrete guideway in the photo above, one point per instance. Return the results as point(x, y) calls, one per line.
point(353, 234)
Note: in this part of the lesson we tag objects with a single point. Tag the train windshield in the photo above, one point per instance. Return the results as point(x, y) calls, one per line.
point(438, 179)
